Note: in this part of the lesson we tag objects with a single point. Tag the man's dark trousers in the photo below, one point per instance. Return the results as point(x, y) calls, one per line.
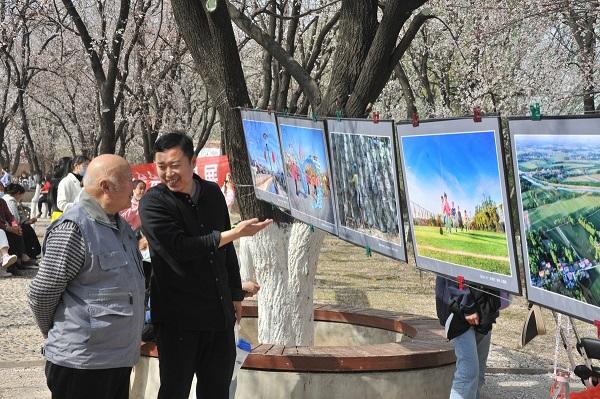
point(69, 383)
point(181, 354)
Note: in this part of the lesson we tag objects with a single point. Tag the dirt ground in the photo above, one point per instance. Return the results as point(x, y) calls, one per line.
point(347, 276)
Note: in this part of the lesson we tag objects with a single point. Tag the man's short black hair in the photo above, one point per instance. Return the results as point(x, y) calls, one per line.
point(175, 139)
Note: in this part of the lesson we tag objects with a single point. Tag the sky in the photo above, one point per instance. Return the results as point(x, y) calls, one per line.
point(304, 140)
point(563, 139)
point(463, 165)
point(257, 144)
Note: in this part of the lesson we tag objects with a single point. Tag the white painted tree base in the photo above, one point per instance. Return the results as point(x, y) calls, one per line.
point(283, 260)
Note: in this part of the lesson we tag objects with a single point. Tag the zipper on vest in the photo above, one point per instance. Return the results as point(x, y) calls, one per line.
point(110, 295)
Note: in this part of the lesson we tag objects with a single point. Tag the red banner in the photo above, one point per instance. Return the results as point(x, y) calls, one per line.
point(209, 168)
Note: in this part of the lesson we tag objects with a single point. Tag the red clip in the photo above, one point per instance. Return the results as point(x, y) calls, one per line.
point(269, 110)
point(375, 117)
point(461, 282)
point(477, 114)
point(415, 119)
point(597, 324)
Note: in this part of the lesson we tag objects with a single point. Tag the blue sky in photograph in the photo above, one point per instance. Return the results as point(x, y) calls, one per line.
point(308, 140)
point(257, 144)
point(462, 165)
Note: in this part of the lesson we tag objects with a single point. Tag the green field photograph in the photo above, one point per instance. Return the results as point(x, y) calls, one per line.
point(560, 195)
point(456, 203)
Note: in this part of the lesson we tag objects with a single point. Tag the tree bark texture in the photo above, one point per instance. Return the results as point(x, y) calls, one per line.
point(284, 257)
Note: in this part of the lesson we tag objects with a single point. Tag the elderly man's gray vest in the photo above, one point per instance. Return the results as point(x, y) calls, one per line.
point(98, 322)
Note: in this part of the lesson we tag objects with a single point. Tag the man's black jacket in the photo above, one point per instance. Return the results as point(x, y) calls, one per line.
point(193, 281)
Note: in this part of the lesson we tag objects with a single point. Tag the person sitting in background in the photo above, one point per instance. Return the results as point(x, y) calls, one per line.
point(14, 235)
point(70, 186)
point(131, 214)
point(13, 196)
point(7, 259)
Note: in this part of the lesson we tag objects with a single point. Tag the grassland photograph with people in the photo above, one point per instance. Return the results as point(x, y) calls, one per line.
point(456, 202)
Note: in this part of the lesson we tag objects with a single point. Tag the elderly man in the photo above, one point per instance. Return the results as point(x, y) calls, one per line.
point(195, 291)
point(88, 296)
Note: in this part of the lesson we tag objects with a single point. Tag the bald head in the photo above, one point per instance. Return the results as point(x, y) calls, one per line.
point(108, 180)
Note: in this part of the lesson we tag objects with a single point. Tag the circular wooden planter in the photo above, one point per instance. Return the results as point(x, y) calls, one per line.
point(381, 354)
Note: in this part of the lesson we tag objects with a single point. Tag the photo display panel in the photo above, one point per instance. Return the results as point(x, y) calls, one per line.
point(457, 203)
point(558, 191)
point(308, 171)
point(264, 154)
point(366, 185)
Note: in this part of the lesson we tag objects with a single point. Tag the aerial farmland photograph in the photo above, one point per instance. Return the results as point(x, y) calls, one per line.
point(559, 177)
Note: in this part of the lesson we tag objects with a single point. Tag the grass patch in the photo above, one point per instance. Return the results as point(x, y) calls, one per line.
point(532, 165)
point(476, 242)
point(577, 237)
point(545, 215)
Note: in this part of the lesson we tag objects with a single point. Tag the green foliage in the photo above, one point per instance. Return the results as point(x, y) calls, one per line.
point(486, 217)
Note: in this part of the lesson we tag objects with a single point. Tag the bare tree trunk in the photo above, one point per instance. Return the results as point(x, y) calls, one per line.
point(284, 85)
point(284, 257)
point(30, 145)
point(267, 61)
point(17, 158)
point(409, 96)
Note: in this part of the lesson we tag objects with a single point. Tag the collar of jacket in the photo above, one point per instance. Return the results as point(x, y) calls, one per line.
point(163, 187)
point(95, 211)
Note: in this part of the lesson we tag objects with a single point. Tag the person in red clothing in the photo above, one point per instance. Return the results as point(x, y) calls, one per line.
point(46, 186)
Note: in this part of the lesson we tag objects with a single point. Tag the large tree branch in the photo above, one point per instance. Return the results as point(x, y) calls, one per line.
point(309, 85)
point(87, 41)
point(318, 46)
point(139, 20)
point(117, 43)
point(409, 96)
point(380, 64)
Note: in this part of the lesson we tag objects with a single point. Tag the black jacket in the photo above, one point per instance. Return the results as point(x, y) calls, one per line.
point(193, 281)
point(450, 299)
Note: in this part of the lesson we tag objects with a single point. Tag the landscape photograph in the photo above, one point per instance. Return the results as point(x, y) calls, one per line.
point(559, 177)
point(456, 203)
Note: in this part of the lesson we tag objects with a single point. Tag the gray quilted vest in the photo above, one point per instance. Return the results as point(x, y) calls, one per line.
point(98, 322)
